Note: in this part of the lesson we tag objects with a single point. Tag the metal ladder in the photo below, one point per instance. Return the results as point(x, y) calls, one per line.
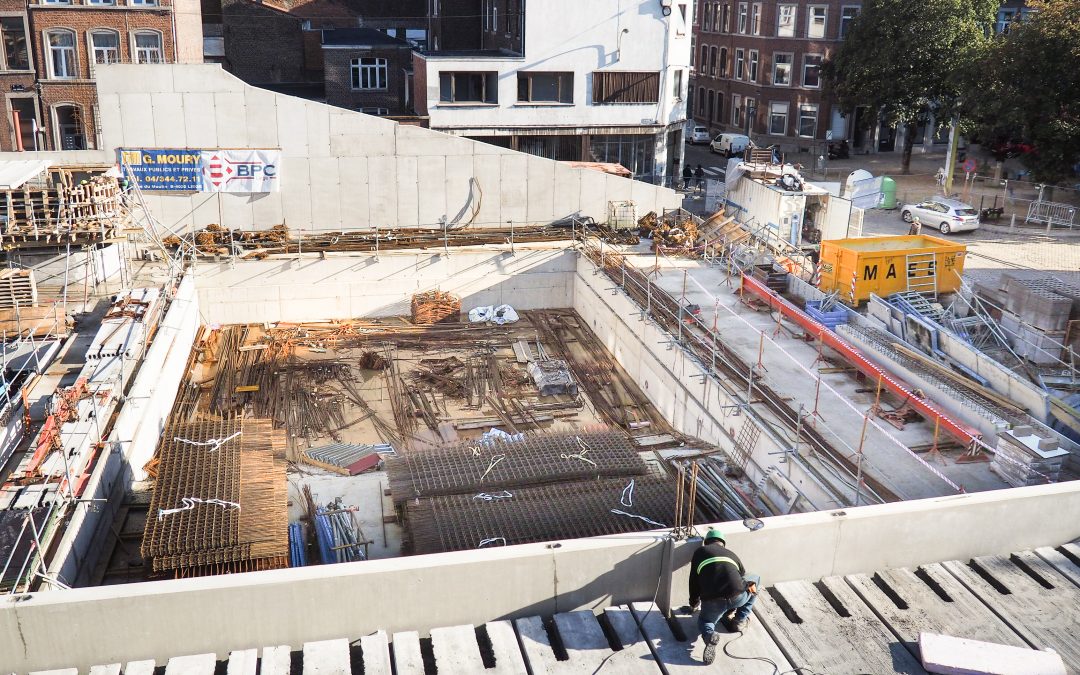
point(915, 303)
point(922, 273)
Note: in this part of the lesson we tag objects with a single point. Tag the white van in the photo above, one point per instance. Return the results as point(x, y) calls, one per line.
point(731, 144)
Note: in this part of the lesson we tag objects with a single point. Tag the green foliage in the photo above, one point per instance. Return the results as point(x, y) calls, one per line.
point(1025, 86)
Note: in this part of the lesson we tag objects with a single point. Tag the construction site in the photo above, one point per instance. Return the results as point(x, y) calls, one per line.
point(521, 389)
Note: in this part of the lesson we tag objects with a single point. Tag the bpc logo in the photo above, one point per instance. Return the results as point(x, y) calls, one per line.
point(221, 170)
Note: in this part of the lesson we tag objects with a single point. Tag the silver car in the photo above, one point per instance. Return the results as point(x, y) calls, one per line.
point(947, 215)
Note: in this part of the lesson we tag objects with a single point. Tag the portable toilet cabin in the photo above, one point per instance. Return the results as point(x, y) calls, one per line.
point(887, 265)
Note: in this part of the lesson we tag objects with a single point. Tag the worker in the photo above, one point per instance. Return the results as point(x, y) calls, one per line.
point(916, 227)
point(725, 591)
point(699, 174)
point(687, 176)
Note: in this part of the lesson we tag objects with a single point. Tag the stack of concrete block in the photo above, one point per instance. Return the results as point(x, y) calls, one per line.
point(1024, 458)
point(1037, 313)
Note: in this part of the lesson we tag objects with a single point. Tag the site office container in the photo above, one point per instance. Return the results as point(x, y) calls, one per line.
point(763, 203)
point(886, 265)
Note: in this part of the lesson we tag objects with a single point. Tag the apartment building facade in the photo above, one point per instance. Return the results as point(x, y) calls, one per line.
point(601, 81)
point(53, 47)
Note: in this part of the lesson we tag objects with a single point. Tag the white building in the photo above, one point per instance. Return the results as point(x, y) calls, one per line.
point(602, 81)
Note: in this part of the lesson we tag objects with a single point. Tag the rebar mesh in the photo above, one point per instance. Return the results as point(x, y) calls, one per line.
point(535, 460)
point(241, 470)
point(542, 513)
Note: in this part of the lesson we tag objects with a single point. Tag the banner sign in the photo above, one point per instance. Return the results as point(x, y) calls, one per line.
point(188, 170)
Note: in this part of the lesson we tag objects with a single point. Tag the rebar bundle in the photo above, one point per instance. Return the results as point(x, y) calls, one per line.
point(435, 307)
point(220, 502)
point(467, 468)
point(542, 513)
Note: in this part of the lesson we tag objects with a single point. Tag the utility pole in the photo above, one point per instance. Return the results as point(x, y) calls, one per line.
point(950, 160)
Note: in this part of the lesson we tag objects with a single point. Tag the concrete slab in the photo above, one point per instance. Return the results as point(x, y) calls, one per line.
point(909, 605)
point(636, 655)
point(243, 662)
point(408, 660)
point(755, 641)
point(376, 651)
point(195, 664)
point(276, 660)
point(536, 646)
point(821, 637)
point(328, 657)
point(456, 650)
point(505, 649)
point(958, 656)
point(1044, 617)
point(588, 648)
point(58, 671)
point(109, 669)
point(140, 668)
point(1061, 562)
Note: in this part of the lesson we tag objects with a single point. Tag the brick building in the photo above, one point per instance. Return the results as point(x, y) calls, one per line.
point(367, 70)
point(52, 48)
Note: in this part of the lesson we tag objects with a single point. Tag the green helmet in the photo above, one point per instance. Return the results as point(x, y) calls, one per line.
point(714, 533)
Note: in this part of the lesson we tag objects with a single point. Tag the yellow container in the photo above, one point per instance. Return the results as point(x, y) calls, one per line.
point(886, 265)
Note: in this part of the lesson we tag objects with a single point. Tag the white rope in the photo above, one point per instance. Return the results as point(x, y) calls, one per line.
point(485, 542)
point(634, 515)
point(627, 498)
point(580, 455)
point(190, 502)
point(215, 442)
point(505, 494)
point(494, 461)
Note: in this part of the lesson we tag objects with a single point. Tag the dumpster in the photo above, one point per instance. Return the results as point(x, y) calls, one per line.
point(887, 200)
point(886, 265)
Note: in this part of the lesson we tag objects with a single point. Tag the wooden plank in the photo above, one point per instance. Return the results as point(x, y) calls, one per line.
point(276, 660)
point(1060, 562)
point(376, 652)
point(915, 607)
point(1044, 617)
point(456, 650)
point(408, 659)
point(819, 638)
point(684, 656)
point(536, 647)
point(505, 649)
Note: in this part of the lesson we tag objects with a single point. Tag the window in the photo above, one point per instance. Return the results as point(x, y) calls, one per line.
point(468, 87)
point(626, 87)
point(676, 85)
point(725, 21)
point(755, 19)
point(16, 56)
point(712, 105)
point(148, 47)
point(808, 120)
point(740, 61)
point(105, 46)
point(742, 18)
point(375, 111)
point(778, 113)
point(847, 15)
point(811, 71)
point(636, 152)
point(712, 62)
point(753, 65)
point(368, 73)
point(1005, 17)
point(550, 87)
point(785, 21)
point(718, 112)
point(781, 72)
point(701, 101)
point(143, 3)
point(69, 126)
point(723, 62)
point(751, 113)
point(101, 2)
point(815, 21)
point(704, 69)
point(62, 54)
point(736, 110)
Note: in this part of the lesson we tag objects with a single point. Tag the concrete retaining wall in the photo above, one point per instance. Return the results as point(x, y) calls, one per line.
point(91, 626)
point(340, 169)
point(365, 286)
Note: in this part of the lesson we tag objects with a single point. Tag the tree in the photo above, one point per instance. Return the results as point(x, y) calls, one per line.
point(1025, 90)
point(901, 57)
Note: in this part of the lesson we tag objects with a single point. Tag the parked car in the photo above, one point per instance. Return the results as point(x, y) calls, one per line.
point(947, 215)
point(731, 144)
point(698, 134)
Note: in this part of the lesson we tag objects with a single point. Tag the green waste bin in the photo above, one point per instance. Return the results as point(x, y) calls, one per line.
point(887, 200)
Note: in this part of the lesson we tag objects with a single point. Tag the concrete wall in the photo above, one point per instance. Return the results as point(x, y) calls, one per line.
point(341, 169)
point(91, 626)
point(362, 286)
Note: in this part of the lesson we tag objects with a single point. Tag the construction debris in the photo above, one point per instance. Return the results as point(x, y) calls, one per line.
point(57, 210)
point(347, 459)
point(1023, 458)
point(435, 307)
point(552, 377)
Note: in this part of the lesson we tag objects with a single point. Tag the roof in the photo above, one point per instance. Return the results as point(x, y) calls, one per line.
point(361, 37)
point(15, 172)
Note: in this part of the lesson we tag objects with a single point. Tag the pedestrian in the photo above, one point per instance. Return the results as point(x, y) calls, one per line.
point(699, 174)
point(687, 176)
point(719, 582)
point(916, 227)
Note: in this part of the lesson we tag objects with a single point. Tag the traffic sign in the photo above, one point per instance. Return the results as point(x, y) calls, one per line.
point(969, 165)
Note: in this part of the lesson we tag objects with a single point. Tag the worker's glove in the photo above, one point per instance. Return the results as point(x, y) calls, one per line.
point(751, 588)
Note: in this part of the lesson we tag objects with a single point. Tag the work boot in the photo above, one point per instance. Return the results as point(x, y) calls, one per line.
point(740, 625)
point(710, 649)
